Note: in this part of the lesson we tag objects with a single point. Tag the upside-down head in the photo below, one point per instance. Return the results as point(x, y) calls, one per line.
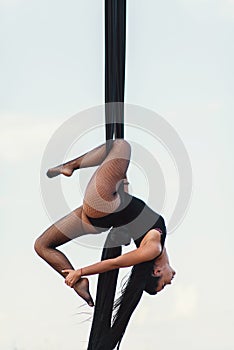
point(161, 275)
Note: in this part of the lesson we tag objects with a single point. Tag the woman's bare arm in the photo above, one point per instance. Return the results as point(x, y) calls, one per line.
point(147, 251)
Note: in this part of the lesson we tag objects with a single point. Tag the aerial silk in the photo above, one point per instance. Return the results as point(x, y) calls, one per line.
point(115, 44)
point(115, 48)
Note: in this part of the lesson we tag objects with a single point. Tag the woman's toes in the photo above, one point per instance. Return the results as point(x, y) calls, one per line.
point(82, 289)
point(91, 303)
point(53, 172)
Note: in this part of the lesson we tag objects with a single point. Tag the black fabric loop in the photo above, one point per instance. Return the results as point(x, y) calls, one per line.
point(120, 236)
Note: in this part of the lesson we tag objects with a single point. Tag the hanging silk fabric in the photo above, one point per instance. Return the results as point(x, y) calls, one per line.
point(115, 52)
point(115, 47)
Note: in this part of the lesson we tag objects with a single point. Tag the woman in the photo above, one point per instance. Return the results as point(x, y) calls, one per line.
point(107, 204)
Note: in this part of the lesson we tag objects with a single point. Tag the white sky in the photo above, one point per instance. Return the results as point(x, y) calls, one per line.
point(180, 64)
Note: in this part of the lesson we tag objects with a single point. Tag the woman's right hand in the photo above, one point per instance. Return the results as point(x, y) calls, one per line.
point(72, 277)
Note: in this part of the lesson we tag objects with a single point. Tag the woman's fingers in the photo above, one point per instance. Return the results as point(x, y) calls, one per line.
point(71, 277)
point(68, 279)
point(69, 283)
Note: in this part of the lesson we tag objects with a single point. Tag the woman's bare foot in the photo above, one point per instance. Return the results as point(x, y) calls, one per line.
point(82, 289)
point(60, 169)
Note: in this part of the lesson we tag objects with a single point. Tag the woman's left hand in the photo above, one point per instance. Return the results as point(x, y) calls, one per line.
point(72, 277)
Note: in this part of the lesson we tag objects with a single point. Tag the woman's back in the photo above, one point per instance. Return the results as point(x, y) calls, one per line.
point(133, 215)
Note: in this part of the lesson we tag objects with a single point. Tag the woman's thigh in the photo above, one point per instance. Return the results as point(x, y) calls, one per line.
point(101, 195)
point(71, 226)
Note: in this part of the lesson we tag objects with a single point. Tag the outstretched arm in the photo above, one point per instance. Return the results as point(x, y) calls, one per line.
point(146, 252)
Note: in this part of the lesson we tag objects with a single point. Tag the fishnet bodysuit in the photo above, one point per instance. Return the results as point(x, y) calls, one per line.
point(100, 199)
point(101, 196)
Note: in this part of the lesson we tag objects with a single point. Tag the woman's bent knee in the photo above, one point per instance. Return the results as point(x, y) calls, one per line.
point(122, 147)
point(122, 143)
point(39, 246)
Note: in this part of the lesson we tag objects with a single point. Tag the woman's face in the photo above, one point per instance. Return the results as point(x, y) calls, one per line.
point(163, 270)
point(167, 275)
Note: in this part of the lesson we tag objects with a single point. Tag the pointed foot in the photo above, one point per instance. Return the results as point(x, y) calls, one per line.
point(82, 289)
point(59, 170)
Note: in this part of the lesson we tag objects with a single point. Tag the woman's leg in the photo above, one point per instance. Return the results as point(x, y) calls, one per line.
point(66, 229)
point(92, 158)
point(101, 197)
point(105, 183)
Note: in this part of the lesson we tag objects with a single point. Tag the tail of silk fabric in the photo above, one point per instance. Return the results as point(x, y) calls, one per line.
point(104, 300)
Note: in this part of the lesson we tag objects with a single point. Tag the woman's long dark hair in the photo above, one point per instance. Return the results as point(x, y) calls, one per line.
point(106, 333)
point(140, 280)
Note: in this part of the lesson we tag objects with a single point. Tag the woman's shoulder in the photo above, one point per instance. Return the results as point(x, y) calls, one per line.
point(153, 235)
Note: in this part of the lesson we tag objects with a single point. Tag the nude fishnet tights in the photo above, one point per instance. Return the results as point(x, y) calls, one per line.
point(100, 197)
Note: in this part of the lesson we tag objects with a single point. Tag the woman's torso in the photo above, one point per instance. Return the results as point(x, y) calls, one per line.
point(135, 216)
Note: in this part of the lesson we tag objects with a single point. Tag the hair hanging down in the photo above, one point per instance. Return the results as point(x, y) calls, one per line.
point(140, 280)
point(106, 333)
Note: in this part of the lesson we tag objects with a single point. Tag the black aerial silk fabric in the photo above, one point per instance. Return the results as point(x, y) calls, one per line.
point(115, 47)
point(115, 55)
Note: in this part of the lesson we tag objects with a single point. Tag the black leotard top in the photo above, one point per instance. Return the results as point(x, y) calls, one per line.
point(135, 216)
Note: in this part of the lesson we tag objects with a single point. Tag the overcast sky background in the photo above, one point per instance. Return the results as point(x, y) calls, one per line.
point(180, 58)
